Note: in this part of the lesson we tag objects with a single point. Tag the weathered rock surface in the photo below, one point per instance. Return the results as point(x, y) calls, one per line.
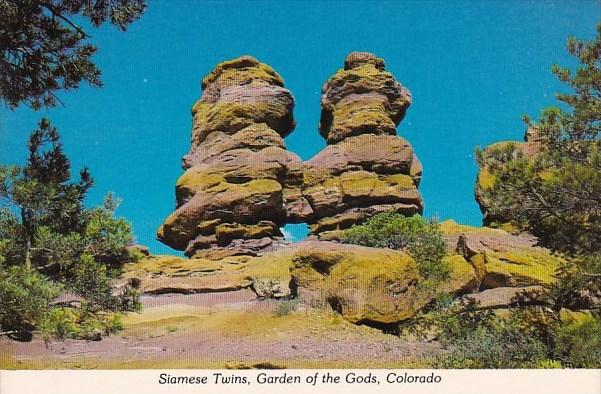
point(172, 274)
point(362, 98)
point(373, 286)
point(366, 168)
point(503, 259)
point(239, 179)
point(505, 297)
point(365, 285)
point(241, 184)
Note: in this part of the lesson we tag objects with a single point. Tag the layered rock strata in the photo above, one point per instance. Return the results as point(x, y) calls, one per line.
point(366, 168)
point(232, 198)
point(241, 184)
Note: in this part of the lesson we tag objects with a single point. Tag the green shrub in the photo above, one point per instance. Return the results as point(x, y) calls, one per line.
point(129, 299)
point(448, 320)
point(578, 343)
point(576, 279)
point(489, 342)
point(107, 237)
point(91, 281)
point(61, 323)
point(112, 323)
point(501, 348)
point(476, 338)
point(422, 239)
point(78, 323)
point(24, 300)
point(549, 364)
point(285, 307)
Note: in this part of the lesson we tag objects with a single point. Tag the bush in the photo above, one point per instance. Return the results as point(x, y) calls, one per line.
point(531, 337)
point(483, 341)
point(24, 300)
point(476, 338)
point(422, 239)
point(578, 284)
point(61, 323)
point(78, 323)
point(503, 348)
point(578, 343)
point(107, 237)
point(285, 307)
point(129, 299)
point(91, 281)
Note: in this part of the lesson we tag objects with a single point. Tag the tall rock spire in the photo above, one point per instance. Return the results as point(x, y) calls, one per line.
point(366, 168)
point(231, 199)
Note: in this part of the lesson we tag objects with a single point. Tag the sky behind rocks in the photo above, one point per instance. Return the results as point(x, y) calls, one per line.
point(473, 67)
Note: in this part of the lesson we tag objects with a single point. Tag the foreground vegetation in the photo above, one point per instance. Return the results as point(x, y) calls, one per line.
point(543, 336)
point(50, 243)
point(554, 194)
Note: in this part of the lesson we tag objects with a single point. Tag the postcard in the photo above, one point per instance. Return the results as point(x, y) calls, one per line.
point(260, 196)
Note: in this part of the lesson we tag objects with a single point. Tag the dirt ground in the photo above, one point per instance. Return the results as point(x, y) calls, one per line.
point(224, 330)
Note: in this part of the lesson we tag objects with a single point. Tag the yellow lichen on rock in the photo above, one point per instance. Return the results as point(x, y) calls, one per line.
point(238, 170)
point(172, 274)
point(270, 274)
point(462, 278)
point(504, 259)
point(365, 285)
point(520, 269)
point(240, 71)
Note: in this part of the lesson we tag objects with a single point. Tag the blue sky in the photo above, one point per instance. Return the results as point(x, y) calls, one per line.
point(473, 67)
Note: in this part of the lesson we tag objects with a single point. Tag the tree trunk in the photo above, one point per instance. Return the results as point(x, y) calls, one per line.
point(27, 225)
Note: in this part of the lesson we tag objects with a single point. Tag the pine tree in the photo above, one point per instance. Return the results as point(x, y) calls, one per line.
point(43, 50)
point(556, 193)
point(46, 228)
point(42, 192)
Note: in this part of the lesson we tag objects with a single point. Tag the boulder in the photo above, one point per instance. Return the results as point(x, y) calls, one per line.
point(267, 275)
point(463, 277)
point(270, 273)
point(172, 274)
point(365, 285)
point(505, 297)
point(503, 259)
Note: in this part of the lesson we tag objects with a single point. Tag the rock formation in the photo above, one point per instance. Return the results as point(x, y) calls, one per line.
point(373, 286)
point(241, 184)
point(232, 198)
point(366, 168)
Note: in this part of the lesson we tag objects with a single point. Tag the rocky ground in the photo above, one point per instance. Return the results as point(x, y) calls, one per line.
point(237, 312)
point(223, 330)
